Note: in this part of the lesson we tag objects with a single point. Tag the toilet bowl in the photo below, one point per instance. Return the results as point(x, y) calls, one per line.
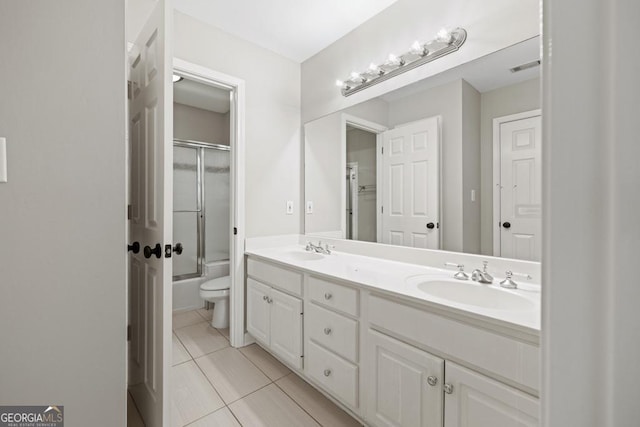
point(217, 292)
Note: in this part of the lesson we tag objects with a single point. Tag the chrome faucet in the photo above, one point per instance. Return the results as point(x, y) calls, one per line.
point(482, 276)
point(318, 249)
point(508, 282)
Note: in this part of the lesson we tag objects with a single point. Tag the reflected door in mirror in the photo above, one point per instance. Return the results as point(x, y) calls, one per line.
point(520, 199)
point(411, 177)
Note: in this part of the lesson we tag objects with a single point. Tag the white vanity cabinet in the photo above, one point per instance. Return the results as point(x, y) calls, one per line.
point(274, 317)
point(405, 386)
point(331, 332)
point(475, 400)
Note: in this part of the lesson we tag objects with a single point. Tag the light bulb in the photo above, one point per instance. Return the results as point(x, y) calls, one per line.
point(393, 58)
point(373, 67)
point(355, 76)
point(416, 47)
point(339, 83)
point(443, 34)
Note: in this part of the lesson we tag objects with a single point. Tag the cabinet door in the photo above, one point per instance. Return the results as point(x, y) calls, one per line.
point(478, 401)
point(406, 384)
point(258, 318)
point(286, 327)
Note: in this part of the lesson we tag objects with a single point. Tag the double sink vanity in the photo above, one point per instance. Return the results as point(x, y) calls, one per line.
point(398, 343)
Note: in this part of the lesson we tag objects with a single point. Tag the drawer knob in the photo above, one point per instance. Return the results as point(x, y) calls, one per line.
point(432, 380)
point(327, 296)
point(265, 298)
point(327, 372)
point(327, 331)
point(448, 388)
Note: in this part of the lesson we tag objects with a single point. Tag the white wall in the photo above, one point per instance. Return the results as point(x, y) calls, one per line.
point(501, 102)
point(591, 233)
point(491, 25)
point(200, 125)
point(62, 228)
point(470, 168)
point(273, 145)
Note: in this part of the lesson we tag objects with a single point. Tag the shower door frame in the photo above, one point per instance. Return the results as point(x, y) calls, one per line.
point(201, 209)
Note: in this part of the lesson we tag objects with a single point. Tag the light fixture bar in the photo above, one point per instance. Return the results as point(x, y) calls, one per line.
point(445, 43)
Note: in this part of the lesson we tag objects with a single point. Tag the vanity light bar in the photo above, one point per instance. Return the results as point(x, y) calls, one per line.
point(445, 43)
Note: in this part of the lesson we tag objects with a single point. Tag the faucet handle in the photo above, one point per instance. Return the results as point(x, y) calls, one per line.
point(508, 283)
point(460, 275)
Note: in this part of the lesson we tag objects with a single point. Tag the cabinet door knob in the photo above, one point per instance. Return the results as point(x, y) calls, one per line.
point(269, 300)
point(432, 380)
point(327, 296)
point(265, 298)
point(448, 388)
point(327, 331)
point(327, 372)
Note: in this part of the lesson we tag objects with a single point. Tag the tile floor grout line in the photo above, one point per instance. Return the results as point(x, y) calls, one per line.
point(294, 401)
point(254, 364)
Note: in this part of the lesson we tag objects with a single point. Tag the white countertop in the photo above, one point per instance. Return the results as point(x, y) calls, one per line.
point(403, 280)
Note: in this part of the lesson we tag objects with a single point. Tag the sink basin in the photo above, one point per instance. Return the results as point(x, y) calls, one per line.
point(303, 256)
point(473, 294)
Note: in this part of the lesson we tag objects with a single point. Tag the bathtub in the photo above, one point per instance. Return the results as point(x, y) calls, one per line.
point(186, 293)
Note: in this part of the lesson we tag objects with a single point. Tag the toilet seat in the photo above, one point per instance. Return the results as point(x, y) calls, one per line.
point(218, 284)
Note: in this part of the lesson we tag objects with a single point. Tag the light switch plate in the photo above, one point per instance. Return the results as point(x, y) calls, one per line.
point(309, 207)
point(289, 207)
point(3, 160)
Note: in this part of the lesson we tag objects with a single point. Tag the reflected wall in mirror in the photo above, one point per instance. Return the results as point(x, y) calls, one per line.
point(451, 162)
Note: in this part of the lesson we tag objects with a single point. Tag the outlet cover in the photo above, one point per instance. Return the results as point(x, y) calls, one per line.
point(3, 160)
point(309, 207)
point(289, 207)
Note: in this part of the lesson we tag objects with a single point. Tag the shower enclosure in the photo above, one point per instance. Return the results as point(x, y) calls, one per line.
point(201, 200)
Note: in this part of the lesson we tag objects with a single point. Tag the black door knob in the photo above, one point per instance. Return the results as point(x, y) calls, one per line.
point(506, 224)
point(177, 249)
point(431, 226)
point(155, 251)
point(135, 247)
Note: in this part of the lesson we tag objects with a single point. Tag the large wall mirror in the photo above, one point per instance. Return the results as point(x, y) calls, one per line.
point(452, 162)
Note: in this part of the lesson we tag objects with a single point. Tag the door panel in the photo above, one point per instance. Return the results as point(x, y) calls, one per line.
point(478, 401)
point(411, 184)
point(400, 393)
point(150, 125)
point(521, 194)
point(286, 327)
point(258, 311)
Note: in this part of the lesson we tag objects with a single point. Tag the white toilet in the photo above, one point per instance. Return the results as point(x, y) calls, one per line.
point(217, 292)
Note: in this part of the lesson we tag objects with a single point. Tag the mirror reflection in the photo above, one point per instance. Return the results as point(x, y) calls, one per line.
point(452, 162)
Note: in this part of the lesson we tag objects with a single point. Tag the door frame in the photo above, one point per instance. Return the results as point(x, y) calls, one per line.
point(497, 160)
point(354, 210)
point(369, 126)
point(237, 205)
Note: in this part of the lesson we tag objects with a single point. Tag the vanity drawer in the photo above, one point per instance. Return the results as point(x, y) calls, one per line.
point(334, 331)
point(338, 297)
point(278, 277)
point(335, 374)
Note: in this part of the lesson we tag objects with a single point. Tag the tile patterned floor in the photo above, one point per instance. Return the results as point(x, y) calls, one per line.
point(214, 384)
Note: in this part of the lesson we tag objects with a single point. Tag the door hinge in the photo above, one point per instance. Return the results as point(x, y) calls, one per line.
point(129, 211)
point(128, 332)
point(129, 89)
point(381, 209)
point(235, 231)
point(167, 251)
point(382, 150)
point(437, 225)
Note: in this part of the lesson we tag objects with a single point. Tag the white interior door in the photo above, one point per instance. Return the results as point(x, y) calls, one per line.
point(520, 224)
point(411, 185)
point(150, 124)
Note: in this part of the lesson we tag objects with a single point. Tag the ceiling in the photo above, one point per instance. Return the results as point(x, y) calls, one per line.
point(296, 29)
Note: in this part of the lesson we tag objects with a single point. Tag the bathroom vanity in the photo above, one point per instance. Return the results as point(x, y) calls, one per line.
point(398, 344)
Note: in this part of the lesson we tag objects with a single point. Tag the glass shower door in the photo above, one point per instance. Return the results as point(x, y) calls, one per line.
point(187, 207)
point(217, 194)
